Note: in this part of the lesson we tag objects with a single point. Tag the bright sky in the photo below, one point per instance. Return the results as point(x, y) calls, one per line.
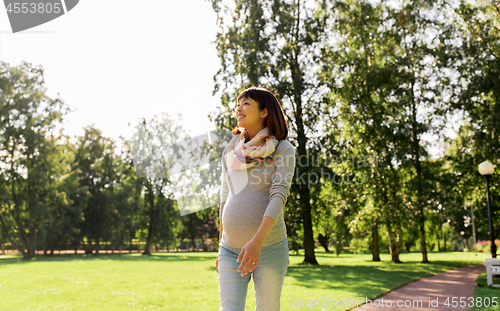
point(115, 62)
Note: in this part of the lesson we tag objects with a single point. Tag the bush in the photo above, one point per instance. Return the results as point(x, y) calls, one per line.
point(481, 280)
point(359, 245)
point(337, 243)
point(484, 246)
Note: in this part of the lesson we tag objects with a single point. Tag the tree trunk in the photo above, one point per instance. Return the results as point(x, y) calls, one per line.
point(97, 245)
point(44, 246)
point(375, 247)
point(423, 246)
point(393, 246)
point(418, 168)
point(153, 216)
point(149, 239)
point(399, 240)
point(309, 257)
point(192, 244)
point(33, 240)
point(89, 249)
point(389, 210)
point(304, 189)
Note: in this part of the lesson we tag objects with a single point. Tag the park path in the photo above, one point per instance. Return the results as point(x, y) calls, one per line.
point(458, 282)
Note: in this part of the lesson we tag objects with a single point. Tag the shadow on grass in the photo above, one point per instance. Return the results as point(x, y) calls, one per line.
point(331, 275)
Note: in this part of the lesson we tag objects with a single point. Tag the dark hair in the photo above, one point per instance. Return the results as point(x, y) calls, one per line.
point(275, 120)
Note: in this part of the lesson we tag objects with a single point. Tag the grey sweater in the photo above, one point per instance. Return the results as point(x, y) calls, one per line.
point(248, 195)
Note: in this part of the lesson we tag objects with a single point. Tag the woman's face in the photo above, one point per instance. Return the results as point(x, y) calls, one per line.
point(248, 114)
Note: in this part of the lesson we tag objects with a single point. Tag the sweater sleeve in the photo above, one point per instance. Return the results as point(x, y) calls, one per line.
point(282, 180)
point(224, 190)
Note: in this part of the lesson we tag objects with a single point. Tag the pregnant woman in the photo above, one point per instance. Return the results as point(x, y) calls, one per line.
point(257, 170)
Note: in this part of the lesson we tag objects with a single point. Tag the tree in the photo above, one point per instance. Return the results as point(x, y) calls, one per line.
point(29, 155)
point(62, 222)
point(359, 72)
point(96, 161)
point(474, 56)
point(162, 155)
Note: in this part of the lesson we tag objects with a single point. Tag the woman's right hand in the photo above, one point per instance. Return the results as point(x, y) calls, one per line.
point(217, 264)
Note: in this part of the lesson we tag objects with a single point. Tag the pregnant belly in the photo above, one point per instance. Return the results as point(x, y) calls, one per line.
point(242, 218)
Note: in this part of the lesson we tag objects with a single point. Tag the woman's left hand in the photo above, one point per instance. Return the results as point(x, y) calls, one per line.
point(249, 256)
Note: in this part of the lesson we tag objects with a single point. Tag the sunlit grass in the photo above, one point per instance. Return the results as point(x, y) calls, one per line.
point(188, 281)
point(483, 295)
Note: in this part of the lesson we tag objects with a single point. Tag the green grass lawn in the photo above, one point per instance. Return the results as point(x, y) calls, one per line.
point(484, 295)
point(188, 281)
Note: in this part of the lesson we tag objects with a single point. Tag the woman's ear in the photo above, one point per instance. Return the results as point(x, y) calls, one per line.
point(264, 113)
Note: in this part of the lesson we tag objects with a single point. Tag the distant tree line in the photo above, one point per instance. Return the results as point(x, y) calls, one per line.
point(57, 192)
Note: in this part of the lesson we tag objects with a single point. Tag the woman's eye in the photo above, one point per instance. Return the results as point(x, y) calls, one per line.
point(245, 103)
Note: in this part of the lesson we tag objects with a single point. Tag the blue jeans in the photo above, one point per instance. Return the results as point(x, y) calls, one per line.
point(268, 277)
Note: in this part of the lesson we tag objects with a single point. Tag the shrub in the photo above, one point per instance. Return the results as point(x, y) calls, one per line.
point(337, 243)
point(485, 246)
point(359, 245)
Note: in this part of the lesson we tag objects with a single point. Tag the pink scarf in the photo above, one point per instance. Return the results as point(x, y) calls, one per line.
point(248, 154)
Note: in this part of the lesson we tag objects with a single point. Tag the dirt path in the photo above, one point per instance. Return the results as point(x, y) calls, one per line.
point(436, 289)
